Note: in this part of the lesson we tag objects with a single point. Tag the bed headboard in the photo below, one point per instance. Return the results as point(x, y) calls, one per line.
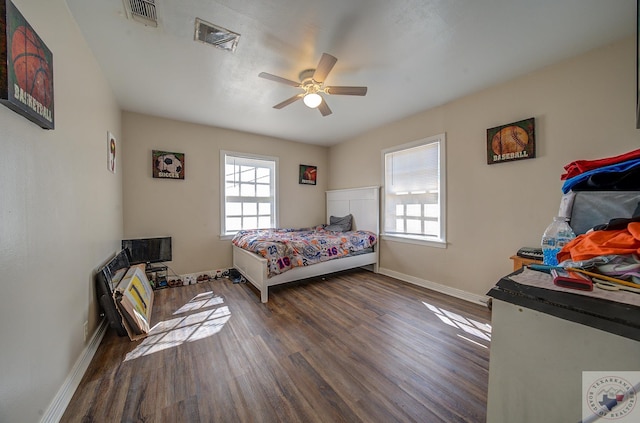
point(362, 203)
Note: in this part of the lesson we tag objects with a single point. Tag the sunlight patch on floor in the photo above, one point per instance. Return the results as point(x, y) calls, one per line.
point(469, 326)
point(188, 328)
point(472, 341)
point(200, 301)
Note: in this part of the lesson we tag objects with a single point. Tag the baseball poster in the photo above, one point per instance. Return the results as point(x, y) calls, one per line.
point(167, 165)
point(514, 141)
point(26, 68)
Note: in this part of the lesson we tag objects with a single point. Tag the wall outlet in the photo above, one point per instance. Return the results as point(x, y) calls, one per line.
point(86, 330)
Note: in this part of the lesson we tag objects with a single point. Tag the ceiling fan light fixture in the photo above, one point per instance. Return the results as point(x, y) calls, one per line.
point(312, 100)
point(312, 84)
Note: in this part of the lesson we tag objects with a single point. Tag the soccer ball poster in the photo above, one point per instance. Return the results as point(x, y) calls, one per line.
point(26, 68)
point(167, 165)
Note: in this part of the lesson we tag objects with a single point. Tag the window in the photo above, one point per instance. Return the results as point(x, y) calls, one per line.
point(414, 191)
point(248, 192)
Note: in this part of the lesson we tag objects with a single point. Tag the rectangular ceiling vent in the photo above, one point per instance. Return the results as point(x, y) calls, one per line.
point(216, 36)
point(143, 11)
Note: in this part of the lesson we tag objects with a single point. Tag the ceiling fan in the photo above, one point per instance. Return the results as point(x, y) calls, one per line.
point(312, 83)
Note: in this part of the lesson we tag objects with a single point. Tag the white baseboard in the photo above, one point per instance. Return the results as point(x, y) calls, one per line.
point(454, 292)
point(60, 402)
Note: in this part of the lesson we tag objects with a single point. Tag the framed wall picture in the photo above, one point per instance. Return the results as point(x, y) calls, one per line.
point(26, 68)
point(514, 141)
point(167, 165)
point(308, 174)
point(111, 152)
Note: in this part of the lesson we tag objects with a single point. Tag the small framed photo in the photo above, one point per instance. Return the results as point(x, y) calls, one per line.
point(308, 174)
point(515, 141)
point(111, 152)
point(167, 165)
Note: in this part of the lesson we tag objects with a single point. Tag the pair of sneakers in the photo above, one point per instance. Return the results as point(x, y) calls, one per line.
point(235, 276)
point(203, 278)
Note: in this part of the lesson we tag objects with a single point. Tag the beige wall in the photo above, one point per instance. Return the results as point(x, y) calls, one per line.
point(62, 214)
point(60, 219)
point(189, 210)
point(584, 109)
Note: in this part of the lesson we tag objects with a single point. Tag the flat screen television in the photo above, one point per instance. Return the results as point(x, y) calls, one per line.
point(148, 250)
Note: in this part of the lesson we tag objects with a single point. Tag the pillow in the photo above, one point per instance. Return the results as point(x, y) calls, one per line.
point(339, 224)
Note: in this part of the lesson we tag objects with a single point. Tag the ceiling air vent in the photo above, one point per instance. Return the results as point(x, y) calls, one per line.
point(143, 11)
point(215, 35)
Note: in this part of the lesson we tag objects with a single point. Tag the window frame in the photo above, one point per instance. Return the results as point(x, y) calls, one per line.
point(438, 242)
point(224, 234)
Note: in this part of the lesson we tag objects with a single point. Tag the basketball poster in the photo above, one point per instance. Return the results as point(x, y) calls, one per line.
point(26, 68)
point(515, 141)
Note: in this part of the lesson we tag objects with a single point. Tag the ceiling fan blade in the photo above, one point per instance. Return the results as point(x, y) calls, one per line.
point(324, 108)
point(289, 101)
point(276, 78)
point(346, 90)
point(325, 65)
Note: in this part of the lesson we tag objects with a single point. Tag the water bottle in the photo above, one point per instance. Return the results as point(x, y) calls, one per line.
point(557, 235)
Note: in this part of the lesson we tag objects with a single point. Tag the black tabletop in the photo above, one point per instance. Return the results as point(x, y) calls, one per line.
point(609, 316)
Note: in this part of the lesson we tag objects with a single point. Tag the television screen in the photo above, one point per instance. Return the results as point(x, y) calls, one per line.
point(148, 250)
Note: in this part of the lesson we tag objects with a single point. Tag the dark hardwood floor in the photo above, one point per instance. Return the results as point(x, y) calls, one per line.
point(356, 347)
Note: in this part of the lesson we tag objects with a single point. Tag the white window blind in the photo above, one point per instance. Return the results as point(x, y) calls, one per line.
point(414, 170)
point(414, 190)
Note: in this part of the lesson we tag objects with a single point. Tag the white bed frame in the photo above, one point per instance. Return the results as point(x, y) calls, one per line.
point(362, 203)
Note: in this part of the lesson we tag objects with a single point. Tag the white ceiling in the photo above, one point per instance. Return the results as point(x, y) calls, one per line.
point(411, 54)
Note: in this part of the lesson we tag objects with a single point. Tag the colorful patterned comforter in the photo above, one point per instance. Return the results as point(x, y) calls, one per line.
point(288, 248)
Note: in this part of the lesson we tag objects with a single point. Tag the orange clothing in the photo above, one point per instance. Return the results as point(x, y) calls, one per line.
point(603, 243)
